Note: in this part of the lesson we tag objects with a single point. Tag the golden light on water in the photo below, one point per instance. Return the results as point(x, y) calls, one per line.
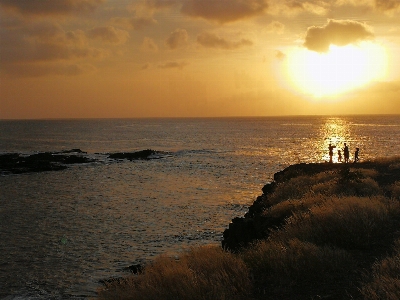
point(335, 131)
point(340, 70)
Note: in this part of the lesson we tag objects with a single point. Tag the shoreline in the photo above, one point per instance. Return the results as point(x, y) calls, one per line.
point(359, 202)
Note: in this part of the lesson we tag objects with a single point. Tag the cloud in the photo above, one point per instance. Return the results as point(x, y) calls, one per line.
point(224, 11)
point(280, 55)
point(38, 47)
point(316, 9)
point(44, 41)
point(387, 5)
point(336, 32)
point(160, 4)
point(37, 70)
point(276, 27)
point(149, 45)
point(173, 65)
point(109, 34)
point(294, 7)
point(211, 40)
point(145, 66)
point(177, 38)
point(50, 7)
point(136, 23)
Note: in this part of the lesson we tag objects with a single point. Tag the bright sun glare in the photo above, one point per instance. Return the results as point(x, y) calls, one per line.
point(337, 71)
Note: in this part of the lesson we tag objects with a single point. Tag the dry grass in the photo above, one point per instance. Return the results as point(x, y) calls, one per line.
point(292, 268)
point(348, 222)
point(203, 273)
point(395, 189)
point(296, 188)
point(385, 278)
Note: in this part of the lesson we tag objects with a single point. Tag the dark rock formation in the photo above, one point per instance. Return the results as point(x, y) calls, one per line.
point(135, 269)
point(45, 161)
point(143, 154)
point(15, 163)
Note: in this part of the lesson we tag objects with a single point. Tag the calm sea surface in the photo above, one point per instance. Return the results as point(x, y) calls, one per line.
point(61, 232)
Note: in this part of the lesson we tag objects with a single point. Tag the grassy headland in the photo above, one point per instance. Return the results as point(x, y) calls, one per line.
point(319, 231)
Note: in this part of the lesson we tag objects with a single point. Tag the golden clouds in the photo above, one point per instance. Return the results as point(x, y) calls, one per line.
point(109, 34)
point(211, 40)
point(387, 5)
point(44, 41)
point(224, 11)
point(177, 38)
point(280, 55)
point(173, 65)
point(336, 32)
point(137, 46)
point(136, 23)
point(50, 7)
point(276, 27)
point(149, 45)
point(159, 4)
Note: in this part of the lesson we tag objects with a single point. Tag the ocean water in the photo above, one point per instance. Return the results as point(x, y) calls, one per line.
point(61, 232)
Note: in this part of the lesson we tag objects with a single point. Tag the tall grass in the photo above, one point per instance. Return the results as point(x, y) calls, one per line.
point(348, 222)
point(395, 189)
point(204, 273)
point(295, 268)
point(385, 278)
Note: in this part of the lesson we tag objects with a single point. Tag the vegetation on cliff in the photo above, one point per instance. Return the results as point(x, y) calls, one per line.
point(323, 231)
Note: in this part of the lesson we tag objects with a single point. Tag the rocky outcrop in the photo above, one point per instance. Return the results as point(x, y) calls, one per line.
point(256, 225)
point(143, 154)
point(16, 163)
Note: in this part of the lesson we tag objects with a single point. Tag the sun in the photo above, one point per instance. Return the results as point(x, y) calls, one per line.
point(339, 70)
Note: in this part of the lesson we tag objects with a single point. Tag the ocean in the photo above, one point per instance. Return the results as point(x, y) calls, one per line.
point(64, 231)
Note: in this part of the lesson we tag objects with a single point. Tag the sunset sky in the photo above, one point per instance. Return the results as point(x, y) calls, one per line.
point(198, 58)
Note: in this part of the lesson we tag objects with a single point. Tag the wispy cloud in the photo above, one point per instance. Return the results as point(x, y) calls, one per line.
point(276, 27)
point(224, 11)
point(211, 40)
point(50, 7)
point(173, 65)
point(148, 45)
point(109, 34)
point(280, 55)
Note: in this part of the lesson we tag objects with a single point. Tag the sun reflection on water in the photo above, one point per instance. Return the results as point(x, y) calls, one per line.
point(335, 131)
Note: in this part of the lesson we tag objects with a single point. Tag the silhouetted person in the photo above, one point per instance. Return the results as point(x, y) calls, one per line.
point(346, 153)
point(339, 153)
point(331, 152)
point(356, 159)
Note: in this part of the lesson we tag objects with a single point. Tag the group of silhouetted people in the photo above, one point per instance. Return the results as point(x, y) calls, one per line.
point(346, 154)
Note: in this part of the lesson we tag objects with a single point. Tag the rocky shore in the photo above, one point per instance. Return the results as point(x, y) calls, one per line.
point(256, 224)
